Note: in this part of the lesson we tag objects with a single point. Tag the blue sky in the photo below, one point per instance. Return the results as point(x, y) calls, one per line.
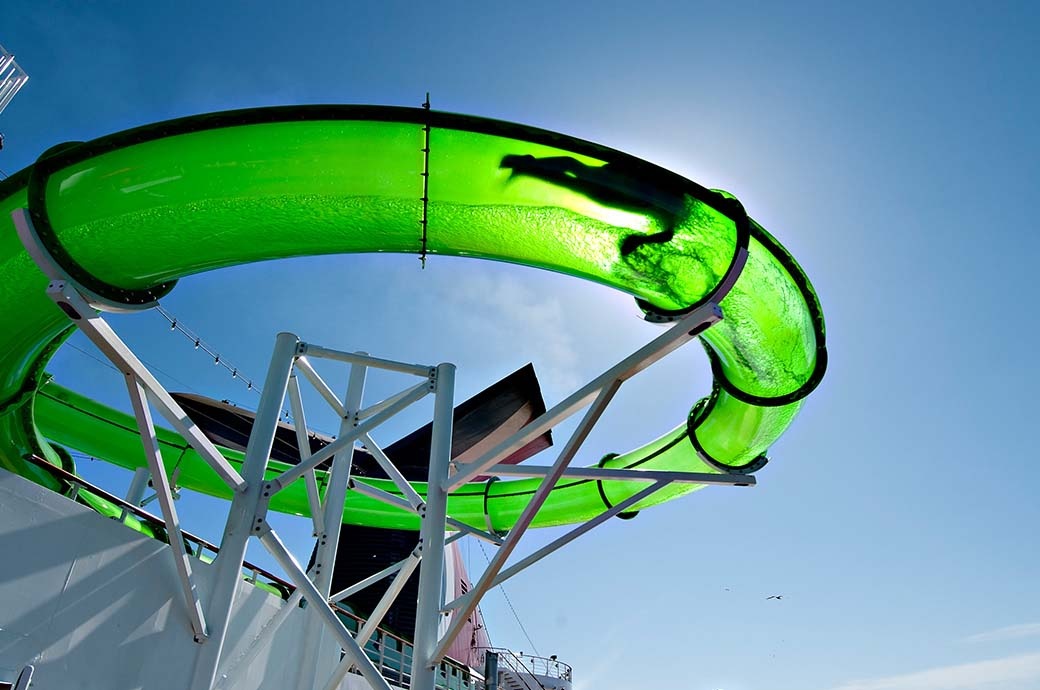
point(892, 147)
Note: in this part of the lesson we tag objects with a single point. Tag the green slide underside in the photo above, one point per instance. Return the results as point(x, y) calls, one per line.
point(128, 214)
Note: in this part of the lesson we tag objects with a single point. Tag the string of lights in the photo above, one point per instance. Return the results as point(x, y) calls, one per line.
point(200, 344)
point(219, 360)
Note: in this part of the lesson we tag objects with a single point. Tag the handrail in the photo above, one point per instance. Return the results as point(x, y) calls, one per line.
point(456, 676)
point(539, 665)
point(253, 572)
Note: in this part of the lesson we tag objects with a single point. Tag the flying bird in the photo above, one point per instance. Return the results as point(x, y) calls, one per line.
point(775, 596)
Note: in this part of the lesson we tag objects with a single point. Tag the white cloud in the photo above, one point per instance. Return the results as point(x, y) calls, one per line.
point(522, 323)
point(1020, 672)
point(1011, 632)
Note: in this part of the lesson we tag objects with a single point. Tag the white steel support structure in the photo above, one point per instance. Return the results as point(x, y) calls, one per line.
point(356, 425)
point(595, 396)
point(255, 487)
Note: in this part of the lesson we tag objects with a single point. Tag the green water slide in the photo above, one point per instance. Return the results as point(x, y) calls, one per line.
point(129, 214)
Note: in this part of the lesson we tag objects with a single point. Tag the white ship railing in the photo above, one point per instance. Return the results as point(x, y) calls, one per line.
point(534, 665)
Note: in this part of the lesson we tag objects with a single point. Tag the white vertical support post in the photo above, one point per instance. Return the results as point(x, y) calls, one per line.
point(169, 512)
point(241, 516)
point(135, 493)
point(434, 521)
point(318, 660)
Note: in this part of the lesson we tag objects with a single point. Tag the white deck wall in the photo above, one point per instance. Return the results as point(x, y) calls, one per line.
point(93, 604)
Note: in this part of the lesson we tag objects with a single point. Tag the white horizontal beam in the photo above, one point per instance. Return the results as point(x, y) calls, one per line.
point(367, 360)
point(619, 474)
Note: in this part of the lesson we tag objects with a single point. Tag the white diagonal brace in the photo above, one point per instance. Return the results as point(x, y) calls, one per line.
point(169, 510)
point(320, 605)
point(383, 404)
point(376, 617)
point(455, 537)
point(679, 334)
point(391, 470)
point(464, 529)
point(289, 476)
point(530, 510)
point(304, 444)
point(367, 582)
point(106, 340)
point(387, 600)
point(319, 384)
point(381, 496)
point(563, 541)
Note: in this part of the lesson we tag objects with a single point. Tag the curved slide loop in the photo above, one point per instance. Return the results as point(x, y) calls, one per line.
point(801, 281)
point(129, 214)
point(699, 412)
point(49, 161)
point(603, 494)
point(488, 525)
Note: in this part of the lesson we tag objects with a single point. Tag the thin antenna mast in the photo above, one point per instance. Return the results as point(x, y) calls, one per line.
point(12, 78)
